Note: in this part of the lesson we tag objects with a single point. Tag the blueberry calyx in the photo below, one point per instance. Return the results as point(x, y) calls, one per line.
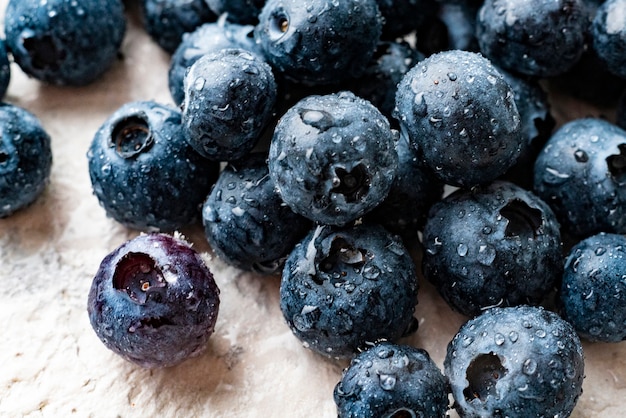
point(341, 255)
point(353, 184)
point(523, 221)
point(137, 275)
point(279, 25)
point(483, 374)
point(131, 136)
point(617, 164)
point(42, 51)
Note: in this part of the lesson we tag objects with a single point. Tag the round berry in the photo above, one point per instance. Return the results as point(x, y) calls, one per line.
point(609, 35)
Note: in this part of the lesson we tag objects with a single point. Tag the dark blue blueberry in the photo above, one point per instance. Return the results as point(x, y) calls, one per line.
point(5, 69)
point(245, 220)
point(391, 61)
point(25, 158)
point(229, 100)
point(64, 42)
point(345, 287)
point(496, 245)
point(206, 39)
point(537, 125)
point(581, 174)
point(459, 114)
point(515, 362)
point(143, 171)
point(609, 35)
point(333, 157)
point(593, 291)
point(167, 20)
point(245, 12)
point(401, 17)
point(395, 381)
point(317, 41)
point(414, 190)
point(533, 37)
point(154, 301)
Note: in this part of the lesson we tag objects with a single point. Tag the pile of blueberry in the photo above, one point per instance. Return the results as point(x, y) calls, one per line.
point(313, 140)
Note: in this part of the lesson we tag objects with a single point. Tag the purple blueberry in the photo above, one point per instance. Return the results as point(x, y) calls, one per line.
point(154, 301)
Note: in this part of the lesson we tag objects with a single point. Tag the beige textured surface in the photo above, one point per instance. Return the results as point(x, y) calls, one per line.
point(53, 365)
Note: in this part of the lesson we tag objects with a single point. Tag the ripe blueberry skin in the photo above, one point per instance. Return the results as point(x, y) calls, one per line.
point(144, 173)
point(167, 20)
point(206, 39)
point(593, 292)
point(229, 100)
point(460, 115)
point(580, 174)
point(25, 158)
point(332, 158)
point(515, 362)
point(154, 301)
point(391, 380)
point(317, 41)
point(390, 62)
point(344, 287)
point(537, 125)
point(495, 245)
point(64, 42)
point(5, 69)
point(536, 37)
point(246, 222)
point(413, 191)
point(609, 35)
point(243, 12)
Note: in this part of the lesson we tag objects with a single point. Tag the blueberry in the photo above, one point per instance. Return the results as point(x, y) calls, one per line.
point(580, 174)
point(413, 191)
point(536, 37)
point(390, 380)
point(244, 12)
point(208, 38)
point(344, 287)
point(64, 42)
point(378, 84)
point(317, 41)
point(495, 245)
point(537, 125)
point(333, 157)
point(515, 362)
point(459, 113)
point(593, 291)
point(402, 17)
point(229, 100)
point(245, 220)
point(609, 35)
point(460, 21)
point(144, 173)
point(25, 158)
point(5, 69)
point(167, 20)
point(154, 301)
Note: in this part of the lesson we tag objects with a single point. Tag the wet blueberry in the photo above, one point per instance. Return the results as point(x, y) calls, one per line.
point(391, 380)
point(536, 37)
point(143, 171)
point(593, 291)
point(496, 245)
point(460, 115)
point(167, 20)
point(245, 220)
point(609, 35)
point(206, 39)
point(154, 301)
point(580, 174)
point(229, 100)
point(25, 158)
point(319, 41)
point(64, 41)
point(344, 287)
point(515, 362)
point(333, 157)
